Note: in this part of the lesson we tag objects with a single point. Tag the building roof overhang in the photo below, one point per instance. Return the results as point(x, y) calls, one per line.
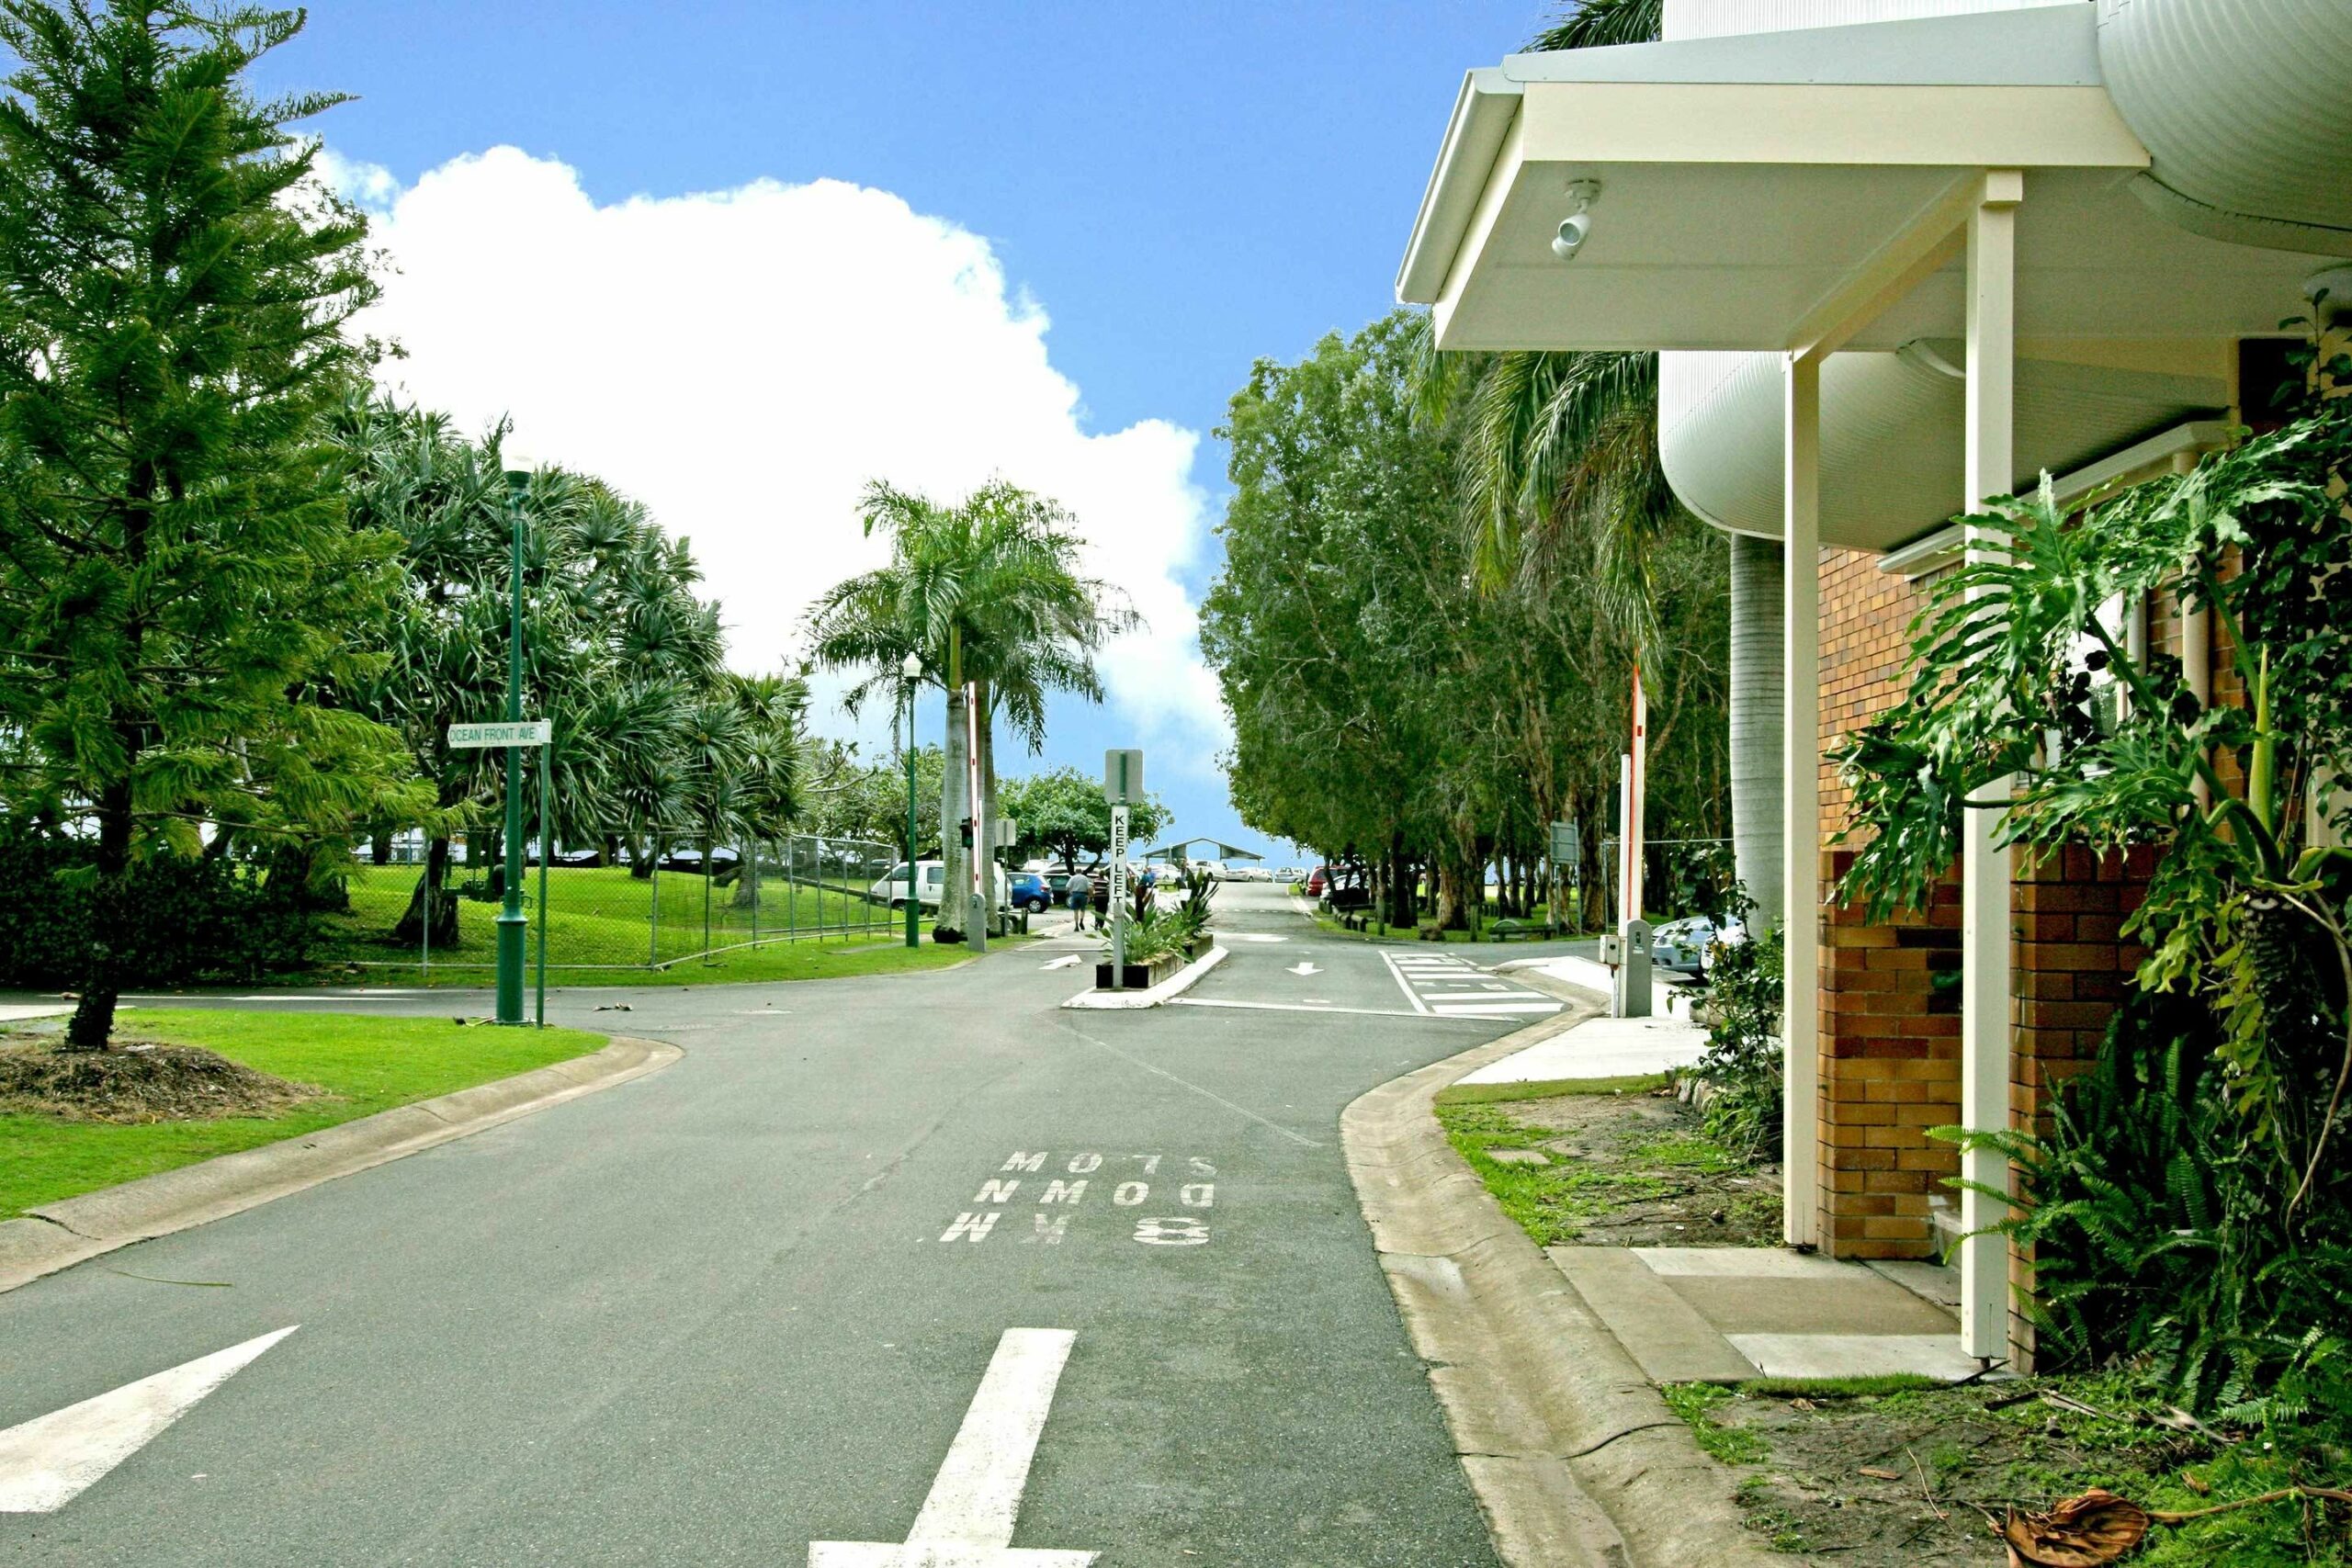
point(1745, 181)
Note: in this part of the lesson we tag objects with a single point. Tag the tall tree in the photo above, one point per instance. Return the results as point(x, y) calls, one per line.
point(179, 581)
point(991, 597)
point(1065, 813)
point(619, 652)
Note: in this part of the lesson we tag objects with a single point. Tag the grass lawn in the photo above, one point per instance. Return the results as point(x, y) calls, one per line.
point(366, 1065)
point(602, 931)
point(1607, 1160)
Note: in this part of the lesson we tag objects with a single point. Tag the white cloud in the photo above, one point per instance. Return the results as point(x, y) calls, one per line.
point(745, 360)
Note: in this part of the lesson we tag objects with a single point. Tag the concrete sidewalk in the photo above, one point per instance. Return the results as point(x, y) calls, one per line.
point(1601, 1048)
point(1729, 1314)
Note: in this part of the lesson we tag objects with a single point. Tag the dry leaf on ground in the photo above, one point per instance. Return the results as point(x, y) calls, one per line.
point(2077, 1532)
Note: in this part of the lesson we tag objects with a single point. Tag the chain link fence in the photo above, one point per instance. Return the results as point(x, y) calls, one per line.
point(622, 901)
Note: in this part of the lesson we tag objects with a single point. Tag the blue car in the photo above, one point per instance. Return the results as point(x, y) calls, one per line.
point(1027, 891)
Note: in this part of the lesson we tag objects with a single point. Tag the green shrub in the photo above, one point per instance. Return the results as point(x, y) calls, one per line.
point(2160, 1229)
point(200, 921)
point(1744, 1057)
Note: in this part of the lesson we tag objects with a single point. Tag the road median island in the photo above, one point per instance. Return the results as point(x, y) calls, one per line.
point(80, 1188)
point(1175, 986)
point(1575, 1457)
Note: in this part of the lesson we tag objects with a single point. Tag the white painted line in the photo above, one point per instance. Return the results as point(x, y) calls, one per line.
point(1404, 985)
point(967, 1521)
point(1492, 1007)
point(47, 1462)
point(1248, 936)
point(1293, 1007)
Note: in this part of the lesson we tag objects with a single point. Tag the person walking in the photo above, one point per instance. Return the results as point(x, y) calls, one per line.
point(1080, 891)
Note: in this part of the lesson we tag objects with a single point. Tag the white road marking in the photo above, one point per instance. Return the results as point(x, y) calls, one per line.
point(1250, 936)
point(1304, 970)
point(1290, 1007)
point(967, 1521)
point(47, 1462)
point(1064, 962)
point(1404, 985)
point(1441, 986)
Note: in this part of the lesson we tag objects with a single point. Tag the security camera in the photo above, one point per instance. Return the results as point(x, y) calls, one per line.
point(1576, 227)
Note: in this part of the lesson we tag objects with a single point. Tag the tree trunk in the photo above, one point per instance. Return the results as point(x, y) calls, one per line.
point(112, 911)
point(747, 875)
point(986, 839)
point(430, 893)
point(1398, 875)
point(379, 849)
point(1757, 708)
point(954, 893)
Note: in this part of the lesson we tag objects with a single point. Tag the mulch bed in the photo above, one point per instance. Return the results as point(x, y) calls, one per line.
point(136, 1081)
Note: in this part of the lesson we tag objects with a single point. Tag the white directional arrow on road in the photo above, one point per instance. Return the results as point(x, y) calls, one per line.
point(1064, 962)
point(1303, 970)
point(967, 1522)
point(47, 1462)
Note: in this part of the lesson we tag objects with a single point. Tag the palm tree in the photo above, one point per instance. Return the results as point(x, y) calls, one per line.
point(618, 647)
point(988, 595)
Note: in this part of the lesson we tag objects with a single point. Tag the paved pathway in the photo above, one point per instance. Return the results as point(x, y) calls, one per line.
point(917, 1257)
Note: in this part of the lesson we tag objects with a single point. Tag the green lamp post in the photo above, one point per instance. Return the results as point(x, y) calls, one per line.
point(912, 671)
point(511, 923)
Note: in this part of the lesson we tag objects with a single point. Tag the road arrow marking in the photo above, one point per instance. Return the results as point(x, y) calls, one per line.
point(967, 1522)
point(1304, 970)
point(48, 1461)
point(1064, 962)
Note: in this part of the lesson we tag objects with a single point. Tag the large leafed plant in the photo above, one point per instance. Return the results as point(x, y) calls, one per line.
point(2193, 1194)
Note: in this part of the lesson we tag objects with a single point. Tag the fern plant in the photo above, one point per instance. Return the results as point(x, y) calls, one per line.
point(2191, 1200)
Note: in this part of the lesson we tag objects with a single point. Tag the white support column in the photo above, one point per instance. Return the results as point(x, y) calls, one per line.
point(1801, 799)
point(1985, 1041)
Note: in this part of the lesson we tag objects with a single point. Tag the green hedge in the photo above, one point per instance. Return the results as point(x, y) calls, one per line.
point(200, 921)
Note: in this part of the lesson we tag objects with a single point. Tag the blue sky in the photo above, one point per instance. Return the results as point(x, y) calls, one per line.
point(1179, 189)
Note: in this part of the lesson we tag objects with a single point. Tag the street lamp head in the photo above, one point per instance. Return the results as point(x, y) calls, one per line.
point(912, 668)
point(518, 462)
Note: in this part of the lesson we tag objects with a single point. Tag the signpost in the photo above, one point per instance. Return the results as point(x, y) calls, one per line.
point(1567, 858)
point(480, 737)
point(1122, 786)
point(516, 735)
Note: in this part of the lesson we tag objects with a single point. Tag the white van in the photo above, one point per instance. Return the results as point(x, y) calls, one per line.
point(930, 875)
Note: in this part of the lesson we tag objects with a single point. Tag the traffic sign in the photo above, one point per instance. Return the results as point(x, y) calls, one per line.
point(1122, 777)
point(527, 732)
point(1567, 848)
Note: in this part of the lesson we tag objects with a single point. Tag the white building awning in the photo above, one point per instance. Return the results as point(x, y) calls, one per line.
point(1745, 181)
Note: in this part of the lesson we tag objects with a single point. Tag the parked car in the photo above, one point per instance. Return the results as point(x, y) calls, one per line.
point(930, 875)
point(1681, 945)
point(1028, 892)
point(1318, 881)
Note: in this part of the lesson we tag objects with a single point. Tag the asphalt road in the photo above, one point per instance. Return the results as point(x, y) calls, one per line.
point(716, 1314)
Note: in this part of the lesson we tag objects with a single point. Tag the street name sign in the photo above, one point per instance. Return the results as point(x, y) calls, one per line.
point(526, 732)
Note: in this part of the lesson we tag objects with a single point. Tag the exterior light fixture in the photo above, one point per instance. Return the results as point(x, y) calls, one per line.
point(1576, 227)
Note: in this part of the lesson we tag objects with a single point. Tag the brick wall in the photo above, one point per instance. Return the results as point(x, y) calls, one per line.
point(1889, 1047)
point(1890, 1070)
point(2068, 970)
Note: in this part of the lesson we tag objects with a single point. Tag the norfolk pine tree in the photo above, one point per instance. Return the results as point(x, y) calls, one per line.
point(180, 593)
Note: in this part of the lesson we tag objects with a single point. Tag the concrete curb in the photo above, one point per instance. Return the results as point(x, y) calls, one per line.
point(57, 1235)
point(1176, 984)
point(1572, 1454)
